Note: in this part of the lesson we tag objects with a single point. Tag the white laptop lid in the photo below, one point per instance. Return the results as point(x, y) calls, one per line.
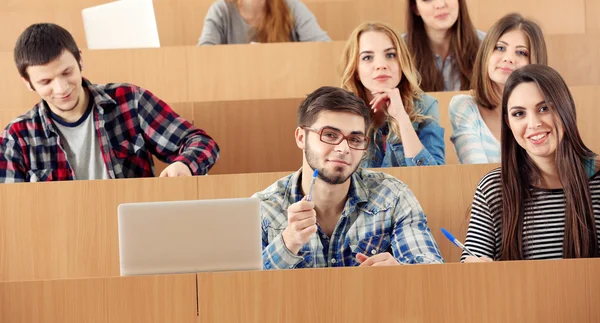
point(121, 24)
point(190, 236)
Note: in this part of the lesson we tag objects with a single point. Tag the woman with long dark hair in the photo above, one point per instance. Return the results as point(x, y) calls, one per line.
point(260, 21)
point(443, 42)
point(544, 201)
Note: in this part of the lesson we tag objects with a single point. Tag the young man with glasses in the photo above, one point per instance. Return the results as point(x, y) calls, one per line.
point(355, 216)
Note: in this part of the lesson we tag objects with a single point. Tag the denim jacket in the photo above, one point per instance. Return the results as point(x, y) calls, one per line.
point(431, 134)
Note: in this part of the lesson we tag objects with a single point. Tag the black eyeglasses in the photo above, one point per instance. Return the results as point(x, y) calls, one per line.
point(335, 137)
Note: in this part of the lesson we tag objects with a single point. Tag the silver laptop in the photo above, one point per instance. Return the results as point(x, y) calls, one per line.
point(190, 236)
point(121, 24)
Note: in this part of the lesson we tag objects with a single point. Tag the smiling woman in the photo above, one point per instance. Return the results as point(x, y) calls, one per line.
point(511, 42)
point(541, 203)
point(405, 128)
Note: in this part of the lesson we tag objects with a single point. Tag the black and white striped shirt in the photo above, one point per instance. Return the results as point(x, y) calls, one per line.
point(543, 226)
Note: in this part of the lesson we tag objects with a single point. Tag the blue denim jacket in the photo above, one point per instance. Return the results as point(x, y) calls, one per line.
point(429, 132)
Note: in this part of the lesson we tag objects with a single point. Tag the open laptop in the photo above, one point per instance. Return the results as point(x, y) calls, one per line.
point(121, 24)
point(190, 236)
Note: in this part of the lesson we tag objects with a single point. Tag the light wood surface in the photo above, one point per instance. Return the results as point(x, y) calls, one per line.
point(256, 72)
point(180, 23)
point(71, 230)
point(147, 299)
point(592, 8)
point(526, 291)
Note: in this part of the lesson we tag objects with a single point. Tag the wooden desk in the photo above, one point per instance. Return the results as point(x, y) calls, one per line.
point(526, 291)
point(256, 72)
point(69, 229)
point(143, 299)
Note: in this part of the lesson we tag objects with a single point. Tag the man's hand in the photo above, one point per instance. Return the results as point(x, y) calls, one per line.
point(382, 259)
point(302, 220)
point(175, 170)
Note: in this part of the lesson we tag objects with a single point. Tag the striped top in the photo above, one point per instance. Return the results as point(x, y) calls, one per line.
point(543, 226)
point(473, 141)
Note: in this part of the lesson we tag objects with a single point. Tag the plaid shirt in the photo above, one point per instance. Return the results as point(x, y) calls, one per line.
point(380, 215)
point(132, 125)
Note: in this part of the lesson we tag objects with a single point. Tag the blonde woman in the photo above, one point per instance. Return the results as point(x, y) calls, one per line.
point(476, 119)
point(405, 128)
point(260, 21)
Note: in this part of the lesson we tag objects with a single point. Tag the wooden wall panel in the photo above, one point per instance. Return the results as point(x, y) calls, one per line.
point(147, 299)
point(525, 291)
point(69, 229)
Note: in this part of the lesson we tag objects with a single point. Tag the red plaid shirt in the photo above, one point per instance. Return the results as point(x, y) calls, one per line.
point(132, 125)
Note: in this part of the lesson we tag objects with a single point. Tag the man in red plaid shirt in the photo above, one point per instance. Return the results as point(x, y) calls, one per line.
point(81, 130)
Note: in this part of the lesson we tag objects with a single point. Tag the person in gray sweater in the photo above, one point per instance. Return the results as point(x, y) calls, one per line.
point(260, 21)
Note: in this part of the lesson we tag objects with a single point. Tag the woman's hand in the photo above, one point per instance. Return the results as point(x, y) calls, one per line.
point(475, 259)
point(387, 100)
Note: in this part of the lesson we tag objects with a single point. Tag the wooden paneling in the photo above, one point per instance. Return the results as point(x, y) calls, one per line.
point(249, 72)
point(254, 136)
point(147, 299)
point(525, 291)
point(257, 72)
point(160, 70)
point(69, 229)
point(554, 17)
point(592, 9)
point(576, 58)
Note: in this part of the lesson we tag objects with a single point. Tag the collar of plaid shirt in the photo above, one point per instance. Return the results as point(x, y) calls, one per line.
point(357, 192)
point(100, 98)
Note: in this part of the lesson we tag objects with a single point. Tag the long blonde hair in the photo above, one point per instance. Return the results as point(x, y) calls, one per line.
point(409, 83)
point(483, 88)
point(277, 23)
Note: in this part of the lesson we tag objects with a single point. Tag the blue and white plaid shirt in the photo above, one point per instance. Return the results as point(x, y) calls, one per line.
point(380, 215)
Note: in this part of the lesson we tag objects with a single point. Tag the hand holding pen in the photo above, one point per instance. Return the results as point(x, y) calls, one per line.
point(471, 256)
point(302, 222)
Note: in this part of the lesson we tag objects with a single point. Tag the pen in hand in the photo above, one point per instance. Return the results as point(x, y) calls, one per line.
point(315, 174)
point(457, 243)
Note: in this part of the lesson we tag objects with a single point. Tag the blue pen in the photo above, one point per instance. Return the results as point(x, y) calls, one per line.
point(457, 243)
point(315, 174)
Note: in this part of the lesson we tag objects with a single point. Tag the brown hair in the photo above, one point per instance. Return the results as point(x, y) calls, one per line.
point(464, 43)
point(329, 98)
point(409, 83)
point(519, 171)
point(276, 25)
point(483, 90)
point(42, 43)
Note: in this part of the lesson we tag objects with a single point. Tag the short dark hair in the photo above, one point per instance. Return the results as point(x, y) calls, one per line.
point(330, 98)
point(42, 43)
